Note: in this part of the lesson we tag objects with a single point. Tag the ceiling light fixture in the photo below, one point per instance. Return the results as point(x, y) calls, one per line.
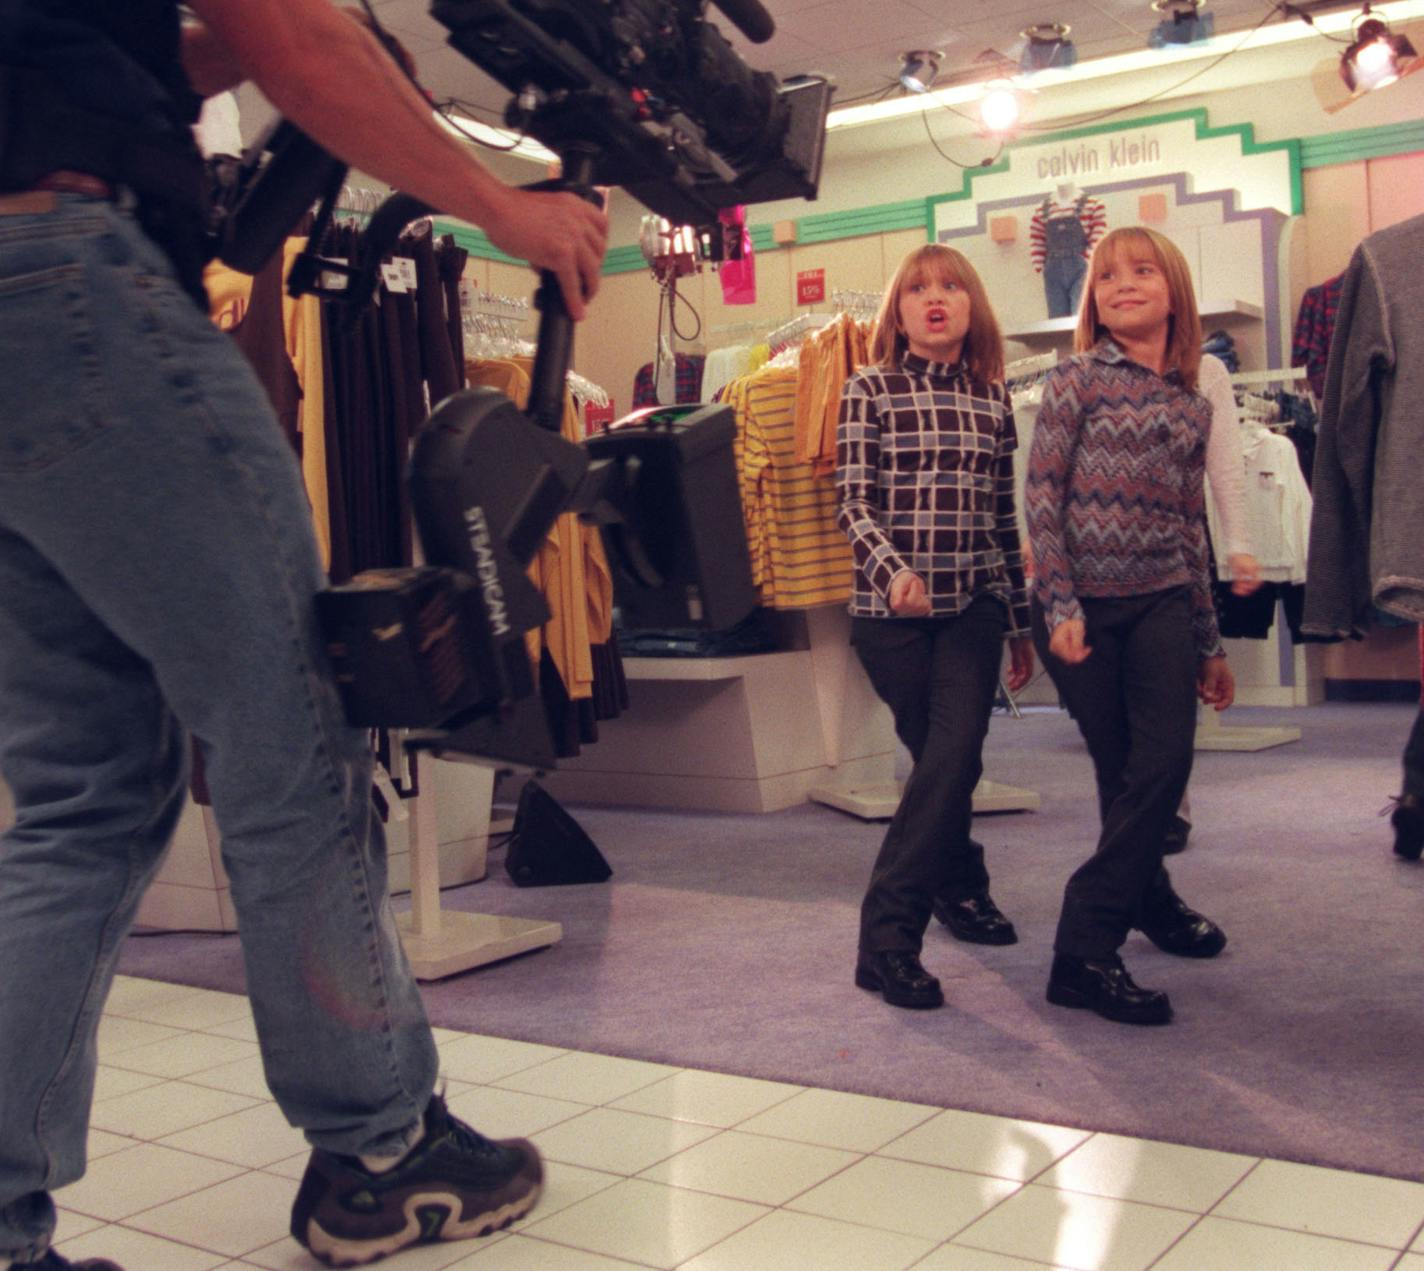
point(1183, 22)
point(918, 69)
point(1376, 57)
point(1048, 47)
point(999, 109)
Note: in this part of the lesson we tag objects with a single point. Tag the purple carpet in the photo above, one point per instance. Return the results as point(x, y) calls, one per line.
point(727, 942)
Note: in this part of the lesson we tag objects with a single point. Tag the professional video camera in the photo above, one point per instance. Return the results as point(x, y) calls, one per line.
point(644, 94)
point(669, 109)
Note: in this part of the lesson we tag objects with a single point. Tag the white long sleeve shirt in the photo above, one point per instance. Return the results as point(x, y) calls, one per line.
point(1225, 475)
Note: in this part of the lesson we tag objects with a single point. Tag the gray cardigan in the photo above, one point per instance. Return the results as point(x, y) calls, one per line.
point(1367, 527)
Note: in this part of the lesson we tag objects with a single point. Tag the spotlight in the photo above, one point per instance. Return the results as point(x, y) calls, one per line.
point(1376, 57)
point(918, 69)
point(999, 109)
point(1184, 23)
point(1048, 47)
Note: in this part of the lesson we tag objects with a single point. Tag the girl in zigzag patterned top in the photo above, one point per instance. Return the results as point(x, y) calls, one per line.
point(1122, 607)
point(924, 473)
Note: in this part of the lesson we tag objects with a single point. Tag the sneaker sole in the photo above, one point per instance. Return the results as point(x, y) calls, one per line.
point(337, 1251)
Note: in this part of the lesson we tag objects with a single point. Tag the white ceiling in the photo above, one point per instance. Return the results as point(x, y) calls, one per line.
point(857, 43)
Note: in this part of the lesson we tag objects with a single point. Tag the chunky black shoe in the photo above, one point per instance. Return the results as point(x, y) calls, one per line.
point(899, 978)
point(54, 1262)
point(1103, 985)
point(1408, 821)
point(452, 1185)
point(975, 920)
point(1175, 839)
point(1179, 930)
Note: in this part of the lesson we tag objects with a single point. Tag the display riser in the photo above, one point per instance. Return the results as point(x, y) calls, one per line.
point(755, 733)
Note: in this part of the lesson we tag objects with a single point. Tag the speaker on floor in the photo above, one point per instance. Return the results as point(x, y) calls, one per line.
point(547, 847)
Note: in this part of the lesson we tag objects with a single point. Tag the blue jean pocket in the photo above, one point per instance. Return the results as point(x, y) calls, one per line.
point(51, 392)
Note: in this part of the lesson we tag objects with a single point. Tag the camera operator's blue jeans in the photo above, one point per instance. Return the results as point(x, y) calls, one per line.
point(157, 570)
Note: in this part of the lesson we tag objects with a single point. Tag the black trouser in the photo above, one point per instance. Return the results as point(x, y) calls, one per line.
point(1414, 759)
point(938, 676)
point(1134, 700)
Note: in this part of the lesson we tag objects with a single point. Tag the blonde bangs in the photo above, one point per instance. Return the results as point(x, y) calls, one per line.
point(983, 351)
point(1184, 333)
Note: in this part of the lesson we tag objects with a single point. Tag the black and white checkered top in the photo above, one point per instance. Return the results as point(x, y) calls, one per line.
point(924, 471)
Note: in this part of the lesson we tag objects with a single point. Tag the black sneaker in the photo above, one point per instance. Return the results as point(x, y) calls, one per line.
point(454, 1184)
point(53, 1262)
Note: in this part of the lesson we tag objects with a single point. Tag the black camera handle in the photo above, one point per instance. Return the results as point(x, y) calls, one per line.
point(554, 346)
point(553, 350)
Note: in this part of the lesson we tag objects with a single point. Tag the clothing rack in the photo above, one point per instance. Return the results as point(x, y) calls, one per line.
point(860, 304)
point(798, 328)
point(494, 323)
point(1284, 376)
point(360, 200)
point(1022, 367)
point(738, 328)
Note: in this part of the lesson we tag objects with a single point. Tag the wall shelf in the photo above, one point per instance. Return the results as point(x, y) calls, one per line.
point(1211, 308)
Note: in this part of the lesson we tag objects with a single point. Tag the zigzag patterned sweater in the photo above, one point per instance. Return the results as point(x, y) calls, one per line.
point(1114, 495)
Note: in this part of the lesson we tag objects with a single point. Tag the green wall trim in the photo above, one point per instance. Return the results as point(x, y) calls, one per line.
point(1204, 131)
point(624, 260)
point(1378, 142)
point(882, 218)
point(475, 241)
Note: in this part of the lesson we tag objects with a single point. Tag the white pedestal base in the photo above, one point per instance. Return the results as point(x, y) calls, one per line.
point(878, 802)
point(1213, 735)
point(461, 941)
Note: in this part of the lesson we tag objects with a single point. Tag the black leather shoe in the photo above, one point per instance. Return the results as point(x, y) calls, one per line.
point(1408, 821)
point(1103, 985)
point(53, 1262)
point(899, 978)
point(975, 920)
point(1175, 839)
point(1176, 929)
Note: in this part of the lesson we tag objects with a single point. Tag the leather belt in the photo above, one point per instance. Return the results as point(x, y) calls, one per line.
point(66, 182)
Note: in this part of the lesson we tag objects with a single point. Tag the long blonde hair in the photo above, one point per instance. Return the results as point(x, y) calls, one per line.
point(1184, 332)
point(983, 351)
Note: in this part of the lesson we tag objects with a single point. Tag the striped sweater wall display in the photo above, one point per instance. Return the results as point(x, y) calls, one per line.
point(1115, 488)
point(1090, 214)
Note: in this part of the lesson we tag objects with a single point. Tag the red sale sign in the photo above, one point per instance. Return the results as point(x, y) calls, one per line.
point(597, 418)
point(810, 286)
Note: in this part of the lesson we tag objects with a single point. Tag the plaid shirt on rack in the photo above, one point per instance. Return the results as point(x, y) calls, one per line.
point(924, 471)
point(687, 386)
point(1314, 325)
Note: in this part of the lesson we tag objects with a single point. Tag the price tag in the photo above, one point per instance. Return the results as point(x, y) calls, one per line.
point(333, 281)
point(393, 278)
point(406, 265)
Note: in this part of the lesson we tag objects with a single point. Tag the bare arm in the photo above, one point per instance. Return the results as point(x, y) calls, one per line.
point(211, 68)
point(331, 77)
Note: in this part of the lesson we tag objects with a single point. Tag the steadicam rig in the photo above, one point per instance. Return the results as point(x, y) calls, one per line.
point(640, 93)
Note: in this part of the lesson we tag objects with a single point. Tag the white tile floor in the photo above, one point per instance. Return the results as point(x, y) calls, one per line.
point(192, 1169)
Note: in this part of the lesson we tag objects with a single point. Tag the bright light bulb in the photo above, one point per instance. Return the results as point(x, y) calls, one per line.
point(1376, 63)
point(999, 109)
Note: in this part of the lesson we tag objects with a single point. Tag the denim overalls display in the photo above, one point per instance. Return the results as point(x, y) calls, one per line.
point(1065, 258)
